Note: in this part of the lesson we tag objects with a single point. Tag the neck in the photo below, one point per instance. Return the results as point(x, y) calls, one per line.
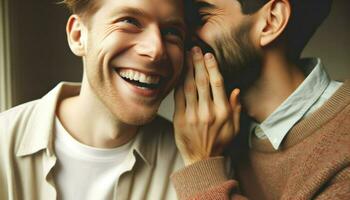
point(89, 121)
point(279, 79)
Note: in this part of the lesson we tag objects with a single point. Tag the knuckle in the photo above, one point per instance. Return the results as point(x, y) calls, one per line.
point(189, 88)
point(224, 114)
point(211, 65)
point(202, 81)
point(207, 118)
point(192, 119)
point(218, 82)
point(197, 59)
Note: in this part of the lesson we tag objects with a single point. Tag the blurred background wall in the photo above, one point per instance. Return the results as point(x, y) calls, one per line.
point(41, 57)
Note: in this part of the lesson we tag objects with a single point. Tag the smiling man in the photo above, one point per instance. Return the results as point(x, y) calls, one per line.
point(298, 145)
point(101, 139)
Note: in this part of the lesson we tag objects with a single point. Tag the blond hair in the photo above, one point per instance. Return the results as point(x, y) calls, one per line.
point(80, 7)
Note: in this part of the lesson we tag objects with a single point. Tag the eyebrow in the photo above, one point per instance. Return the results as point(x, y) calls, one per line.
point(174, 21)
point(132, 11)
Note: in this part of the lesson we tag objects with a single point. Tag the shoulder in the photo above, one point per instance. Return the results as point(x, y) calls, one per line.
point(334, 140)
point(13, 126)
point(335, 116)
point(342, 123)
point(17, 117)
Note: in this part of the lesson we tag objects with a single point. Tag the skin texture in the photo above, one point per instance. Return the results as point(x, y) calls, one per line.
point(239, 60)
point(203, 123)
point(122, 35)
point(250, 57)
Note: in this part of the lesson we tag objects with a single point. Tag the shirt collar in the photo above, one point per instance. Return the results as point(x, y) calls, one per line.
point(40, 126)
point(40, 123)
point(145, 145)
point(278, 124)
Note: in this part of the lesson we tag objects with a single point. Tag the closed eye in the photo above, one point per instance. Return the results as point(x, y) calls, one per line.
point(203, 17)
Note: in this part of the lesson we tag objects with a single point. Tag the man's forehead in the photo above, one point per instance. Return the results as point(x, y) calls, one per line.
point(172, 11)
point(176, 2)
point(168, 6)
point(205, 1)
point(208, 3)
point(175, 5)
point(215, 2)
point(169, 10)
point(164, 7)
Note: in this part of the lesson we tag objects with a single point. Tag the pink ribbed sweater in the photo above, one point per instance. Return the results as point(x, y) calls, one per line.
point(313, 163)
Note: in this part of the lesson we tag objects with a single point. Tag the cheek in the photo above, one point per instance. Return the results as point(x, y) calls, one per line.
point(207, 33)
point(110, 39)
point(109, 30)
point(116, 42)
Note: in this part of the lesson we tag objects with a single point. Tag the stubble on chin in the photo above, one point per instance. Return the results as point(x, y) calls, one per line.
point(239, 61)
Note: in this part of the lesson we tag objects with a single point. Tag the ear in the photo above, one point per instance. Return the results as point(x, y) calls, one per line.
point(274, 19)
point(75, 35)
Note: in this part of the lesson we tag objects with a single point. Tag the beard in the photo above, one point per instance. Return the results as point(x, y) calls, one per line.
point(239, 61)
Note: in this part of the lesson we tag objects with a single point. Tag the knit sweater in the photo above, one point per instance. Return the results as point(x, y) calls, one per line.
point(312, 163)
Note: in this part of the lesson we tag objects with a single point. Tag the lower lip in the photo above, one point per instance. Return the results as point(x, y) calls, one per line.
point(140, 91)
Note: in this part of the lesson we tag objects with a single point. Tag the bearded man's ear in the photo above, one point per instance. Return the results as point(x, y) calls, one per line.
point(273, 21)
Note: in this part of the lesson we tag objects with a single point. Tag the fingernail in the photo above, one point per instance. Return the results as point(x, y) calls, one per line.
point(196, 50)
point(237, 91)
point(208, 56)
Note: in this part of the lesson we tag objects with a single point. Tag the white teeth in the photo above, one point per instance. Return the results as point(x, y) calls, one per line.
point(138, 76)
point(142, 78)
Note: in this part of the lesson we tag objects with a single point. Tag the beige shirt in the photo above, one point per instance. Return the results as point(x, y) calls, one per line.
point(28, 160)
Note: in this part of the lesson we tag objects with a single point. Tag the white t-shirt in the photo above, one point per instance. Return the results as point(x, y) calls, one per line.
point(85, 172)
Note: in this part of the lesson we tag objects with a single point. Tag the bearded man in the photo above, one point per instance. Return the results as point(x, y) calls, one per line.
point(298, 146)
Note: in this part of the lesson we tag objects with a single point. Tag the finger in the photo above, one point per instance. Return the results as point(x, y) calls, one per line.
point(236, 109)
point(201, 77)
point(237, 118)
point(226, 135)
point(179, 98)
point(190, 89)
point(216, 80)
point(230, 129)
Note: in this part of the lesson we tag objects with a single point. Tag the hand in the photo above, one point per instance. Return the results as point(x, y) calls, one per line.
point(205, 121)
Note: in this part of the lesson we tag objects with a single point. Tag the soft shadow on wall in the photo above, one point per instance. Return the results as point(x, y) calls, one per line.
point(40, 54)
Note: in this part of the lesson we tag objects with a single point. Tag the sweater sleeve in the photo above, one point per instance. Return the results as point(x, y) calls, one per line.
point(205, 180)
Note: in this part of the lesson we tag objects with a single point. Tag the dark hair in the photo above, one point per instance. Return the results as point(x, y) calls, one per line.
point(306, 17)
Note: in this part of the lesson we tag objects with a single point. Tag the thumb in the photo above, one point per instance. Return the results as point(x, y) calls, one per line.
point(236, 109)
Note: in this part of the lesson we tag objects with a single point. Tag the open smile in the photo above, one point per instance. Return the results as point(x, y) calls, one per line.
point(144, 84)
point(140, 79)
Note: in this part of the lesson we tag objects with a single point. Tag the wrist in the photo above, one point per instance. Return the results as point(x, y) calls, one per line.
point(189, 161)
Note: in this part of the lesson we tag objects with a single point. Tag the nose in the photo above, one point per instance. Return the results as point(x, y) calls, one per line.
point(151, 44)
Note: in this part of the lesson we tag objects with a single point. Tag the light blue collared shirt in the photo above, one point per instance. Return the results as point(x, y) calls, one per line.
point(311, 94)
